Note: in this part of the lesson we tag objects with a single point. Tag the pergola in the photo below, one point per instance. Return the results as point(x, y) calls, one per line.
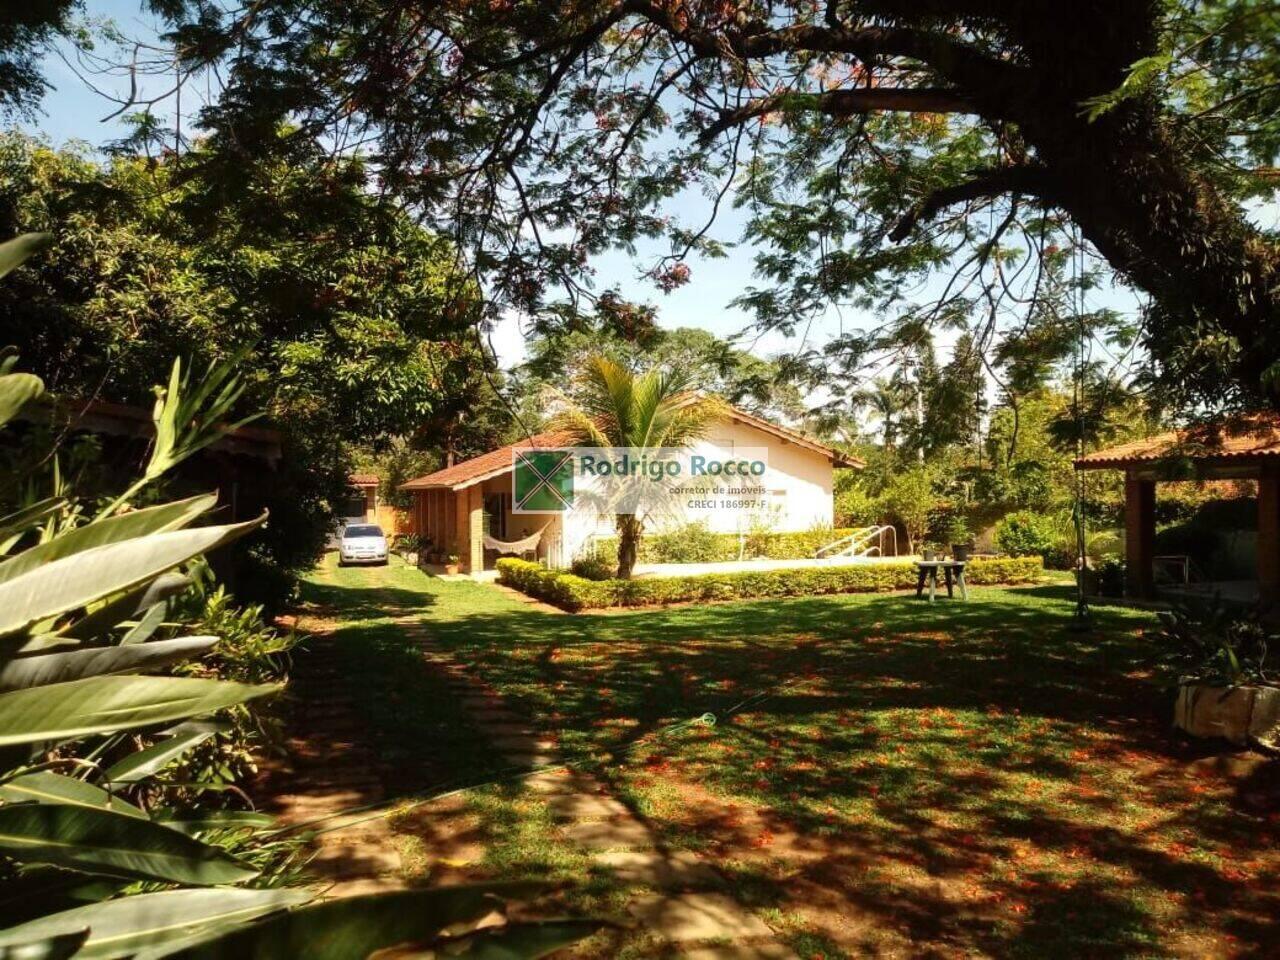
point(1242, 448)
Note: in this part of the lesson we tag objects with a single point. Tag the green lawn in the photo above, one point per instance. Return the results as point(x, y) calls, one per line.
point(884, 777)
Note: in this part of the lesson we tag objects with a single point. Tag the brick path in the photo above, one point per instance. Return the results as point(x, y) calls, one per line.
point(683, 907)
point(690, 910)
point(329, 769)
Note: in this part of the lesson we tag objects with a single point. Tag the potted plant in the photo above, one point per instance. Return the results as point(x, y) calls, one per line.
point(1215, 658)
point(958, 535)
point(929, 551)
point(452, 564)
point(409, 546)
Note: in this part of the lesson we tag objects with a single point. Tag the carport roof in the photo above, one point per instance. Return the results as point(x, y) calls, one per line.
point(1238, 439)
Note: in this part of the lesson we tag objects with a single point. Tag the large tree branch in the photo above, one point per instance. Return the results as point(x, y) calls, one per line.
point(1035, 181)
point(843, 103)
point(983, 75)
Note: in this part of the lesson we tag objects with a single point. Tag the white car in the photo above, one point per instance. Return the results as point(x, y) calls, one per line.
point(362, 543)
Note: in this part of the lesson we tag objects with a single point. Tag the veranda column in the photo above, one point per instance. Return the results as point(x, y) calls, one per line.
point(475, 525)
point(1269, 530)
point(1139, 534)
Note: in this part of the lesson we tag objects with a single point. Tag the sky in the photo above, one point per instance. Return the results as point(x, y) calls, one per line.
point(73, 111)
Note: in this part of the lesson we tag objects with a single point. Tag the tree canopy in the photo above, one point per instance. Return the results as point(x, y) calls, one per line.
point(941, 162)
point(350, 322)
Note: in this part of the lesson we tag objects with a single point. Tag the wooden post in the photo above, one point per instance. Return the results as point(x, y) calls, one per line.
point(1139, 534)
point(1269, 530)
point(474, 557)
point(468, 518)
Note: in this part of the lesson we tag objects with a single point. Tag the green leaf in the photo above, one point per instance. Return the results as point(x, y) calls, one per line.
point(20, 521)
point(72, 582)
point(48, 948)
point(147, 624)
point(14, 252)
point(122, 927)
point(218, 820)
point(347, 928)
point(45, 786)
point(126, 526)
point(519, 941)
point(144, 763)
point(16, 391)
point(102, 618)
point(51, 668)
point(114, 845)
point(106, 704)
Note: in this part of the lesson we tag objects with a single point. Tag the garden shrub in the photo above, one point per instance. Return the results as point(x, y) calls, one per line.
point(248, 651)
point(765, 544)
point(593, 566)
point(1025, 533)
point(574, 593)
point(691, 543)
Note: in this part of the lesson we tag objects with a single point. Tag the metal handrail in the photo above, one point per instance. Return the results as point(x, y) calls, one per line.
point(861, 538)
point(836, 543)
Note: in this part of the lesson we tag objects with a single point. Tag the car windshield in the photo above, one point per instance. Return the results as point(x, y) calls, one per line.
point(363, 531)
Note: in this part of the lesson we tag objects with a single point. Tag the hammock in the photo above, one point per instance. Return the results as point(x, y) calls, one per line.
point(514, 546)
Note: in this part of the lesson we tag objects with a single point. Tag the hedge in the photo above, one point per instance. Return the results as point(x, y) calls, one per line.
point(573, 593)
point(661, 547)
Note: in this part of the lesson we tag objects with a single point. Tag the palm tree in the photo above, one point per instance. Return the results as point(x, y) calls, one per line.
point(886, 399)
point(611, 406)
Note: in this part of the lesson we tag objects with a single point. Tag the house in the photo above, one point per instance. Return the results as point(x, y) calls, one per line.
point(460, 507)
point(1245, 447)
point(364, 505)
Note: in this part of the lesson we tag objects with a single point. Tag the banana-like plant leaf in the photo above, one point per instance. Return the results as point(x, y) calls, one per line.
point(22, 520)
point(219, 820)
point(16, 391)
point(45, 786)
point(50, 668)
point(57, 947)
point(74, 581)
point(14, 252)
point(102, 618)
point(122, 927)
point(126, 526)
point(517, 941)
point(346, 928)
point(113, 845)
point(144, 763)
point(105, 704)
point(147, 624)
point(37, 891)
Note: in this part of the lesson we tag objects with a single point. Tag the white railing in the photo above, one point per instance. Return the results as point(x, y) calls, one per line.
point(859, 543)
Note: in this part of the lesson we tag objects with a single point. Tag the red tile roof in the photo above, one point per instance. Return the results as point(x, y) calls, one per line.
point(363, 479)
point(1240, 438)
point(497, 462)
point(491, 464)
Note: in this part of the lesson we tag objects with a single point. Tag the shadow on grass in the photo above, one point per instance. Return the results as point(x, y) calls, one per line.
point(957, 777)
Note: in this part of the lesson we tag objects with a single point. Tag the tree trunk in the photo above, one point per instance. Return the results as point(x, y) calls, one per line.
point(630, 529)
point(1127, 182)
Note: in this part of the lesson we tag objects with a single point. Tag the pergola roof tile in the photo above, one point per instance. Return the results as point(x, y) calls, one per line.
point(1245, 437)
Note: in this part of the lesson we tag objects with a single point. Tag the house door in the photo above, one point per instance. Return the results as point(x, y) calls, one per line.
point(496, 509)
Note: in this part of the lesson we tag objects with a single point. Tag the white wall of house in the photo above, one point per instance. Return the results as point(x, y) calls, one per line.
point(799, 482)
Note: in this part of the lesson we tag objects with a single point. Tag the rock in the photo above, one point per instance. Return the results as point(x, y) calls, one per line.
point(1233, 713)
